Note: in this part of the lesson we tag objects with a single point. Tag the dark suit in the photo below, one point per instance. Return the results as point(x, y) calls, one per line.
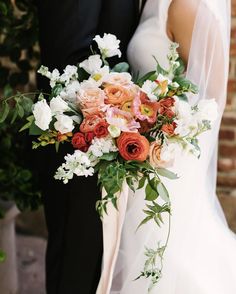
point(74, 249)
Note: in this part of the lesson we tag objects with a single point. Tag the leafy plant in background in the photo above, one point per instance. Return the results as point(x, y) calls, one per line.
point(18, 56)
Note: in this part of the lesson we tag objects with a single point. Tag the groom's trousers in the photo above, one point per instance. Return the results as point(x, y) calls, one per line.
point(74, 251)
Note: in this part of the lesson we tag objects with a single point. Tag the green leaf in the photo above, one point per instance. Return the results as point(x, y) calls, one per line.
point(130, 182)
point(181, 69)
point(166, 173)
point(109, 156)
point(183, 97)
point(162, 191)
point(34, 130)
point(30, 120)
point(82, 74)
point(143, 222)
point(149, 76)
point(7, 91)
point(121, 67)
point(2, 256)
point(56, 90)
point(4, 111)
point(151, 194)
point(142, 182)
point(3, 8)
point(20, 110)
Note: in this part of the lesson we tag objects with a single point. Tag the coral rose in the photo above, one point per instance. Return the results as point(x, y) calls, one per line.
point(101, 129)
point(165, 105)
point(133, 146)
point(117, 95)
point(79, 142)
point(90, 121)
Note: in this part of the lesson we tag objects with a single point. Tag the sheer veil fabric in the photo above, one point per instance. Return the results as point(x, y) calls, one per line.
point(201, 255)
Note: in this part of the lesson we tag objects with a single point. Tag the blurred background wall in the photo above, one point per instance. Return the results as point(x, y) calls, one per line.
point(227, 143)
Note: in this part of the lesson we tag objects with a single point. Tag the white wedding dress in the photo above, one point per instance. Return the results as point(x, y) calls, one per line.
point(201, 255)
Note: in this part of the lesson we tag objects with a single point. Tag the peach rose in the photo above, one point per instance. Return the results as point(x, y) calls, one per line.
point(155, 156)
point(90, 100)
point(90, 121)
point(117, 95)
point(133, 146)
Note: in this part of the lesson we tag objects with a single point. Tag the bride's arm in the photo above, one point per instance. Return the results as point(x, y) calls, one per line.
point(180, 24)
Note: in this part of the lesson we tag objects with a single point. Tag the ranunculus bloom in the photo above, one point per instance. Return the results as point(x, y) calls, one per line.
point(165, 105)
point(144, 109)
point(117, 95)
point(133, 146)
point(89, 137)
point(122, 119)
point(169, 129)
point(101, 130)
point(79, 142)
point(90, 121)
point(90, 100)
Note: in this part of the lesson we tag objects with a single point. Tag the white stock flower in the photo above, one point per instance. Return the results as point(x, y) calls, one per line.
point(151, 89)
point(161, 78)
point(54, 78)
point(64, 123)
point(58, 105)
point(102, 145)
point(108, 45)
point(92, 64)
point(207, 110)
point(69, 92)
point(78, 163)
point(69, 73)
point(42, 114)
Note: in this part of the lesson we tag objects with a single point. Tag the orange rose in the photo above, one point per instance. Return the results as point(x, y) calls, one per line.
point(117, 95)
point(133, 146)
point(90, 121)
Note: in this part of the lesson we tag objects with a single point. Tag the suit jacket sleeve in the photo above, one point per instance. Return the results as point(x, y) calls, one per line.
point(66, 30)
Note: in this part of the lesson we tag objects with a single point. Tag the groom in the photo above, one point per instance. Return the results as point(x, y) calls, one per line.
point(74, 252)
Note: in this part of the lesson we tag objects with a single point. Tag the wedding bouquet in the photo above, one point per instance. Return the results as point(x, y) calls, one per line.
point(126, 130)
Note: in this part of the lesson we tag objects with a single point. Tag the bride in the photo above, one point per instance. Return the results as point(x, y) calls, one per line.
point(201, 254)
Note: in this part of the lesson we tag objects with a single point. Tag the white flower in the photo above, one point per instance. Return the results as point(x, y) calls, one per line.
point(102, 145)
point(58, 105)
point(54, 78)
point(64, 123)
point(186, 126)
point(69, 73)
point(169, 152)
point(92, 64)
point(183, 109)
point(151, 89)
point(69, 92)
point(207, 110)
point(44, 71)
point(160, 78)
point(42, 114)
point(78, 163)
point(114, 131)
point(108, 45)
